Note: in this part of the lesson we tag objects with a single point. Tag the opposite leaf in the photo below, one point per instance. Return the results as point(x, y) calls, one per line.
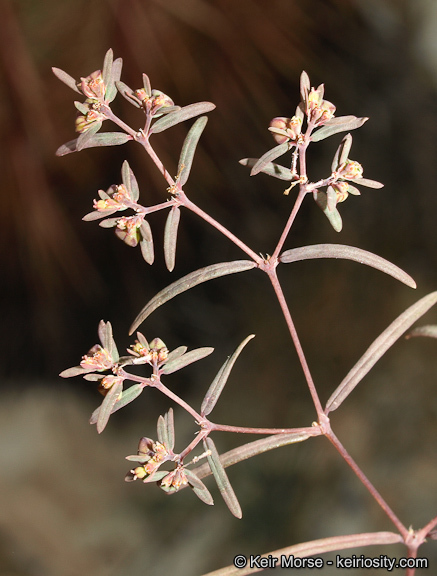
point(189, 148)
point(108, 404)
point(269, 156)
point(189, 281)
point(102, 139)
point(335, 125)
point(222, 479)
point(127, 397)
point(181, 115)
point(272, 169)
point(378, 349)
point(220, 380)
point(186, 359)
point(348, 253)
point(171, 236)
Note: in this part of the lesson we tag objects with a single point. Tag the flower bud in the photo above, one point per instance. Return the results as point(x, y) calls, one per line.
point(93, 86)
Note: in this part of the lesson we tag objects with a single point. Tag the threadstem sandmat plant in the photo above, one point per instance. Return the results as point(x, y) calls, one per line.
point(156, 461)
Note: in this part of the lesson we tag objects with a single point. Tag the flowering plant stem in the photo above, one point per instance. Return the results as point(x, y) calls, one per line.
point(100, 89)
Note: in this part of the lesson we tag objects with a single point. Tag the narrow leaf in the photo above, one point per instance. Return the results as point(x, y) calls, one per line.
point(147, 86)
point(347, 253)
point(107, 67)
point(84, 138)
point(107, 405)
point(161, 431)
point(270, 156)
point(378, 349)
point(103, 139)
point(169, 425)
point(176, 353)
point(186, 359)
point(342, 152)
point(222, 479)
point(83, 108)
point(220, 380)
point(368, 183)
point(333, 216)
point(185, 113)
point(329, 130)
point(253, 449)
point(315, 548)
point(171, 236)
point(127, 397)
point(111, 90)
point(199, 488)
point(146, 242)
point(130, 181)
point(189, 281)
point(430, 330)
point(189, 148)
point(66, 79)
point(272, 169)
point(74, 371)
point(127, 93)
point(305, 85)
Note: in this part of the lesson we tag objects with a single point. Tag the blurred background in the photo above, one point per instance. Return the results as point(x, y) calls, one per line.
point(64, 508)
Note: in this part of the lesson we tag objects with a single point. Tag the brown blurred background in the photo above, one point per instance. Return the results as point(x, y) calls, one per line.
point(64, 509)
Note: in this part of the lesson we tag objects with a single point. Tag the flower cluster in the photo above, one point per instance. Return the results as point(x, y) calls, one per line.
point(151, 454)
point(152, 101)
point(318, 110)
point(155, 353)
point(285, 129)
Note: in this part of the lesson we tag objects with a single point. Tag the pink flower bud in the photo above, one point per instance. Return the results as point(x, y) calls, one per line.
point(93, 86)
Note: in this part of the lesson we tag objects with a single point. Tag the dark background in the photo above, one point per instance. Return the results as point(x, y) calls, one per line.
point(64, 508)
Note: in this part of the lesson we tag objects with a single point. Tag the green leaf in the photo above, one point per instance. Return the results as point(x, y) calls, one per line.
point(315, 548)
point(189, 148)
point(189, 281)
point(269, 156)
point(222, 479)
point(147, 86)
point(305, 85)
point(146, 242)
point(342, 152)
point(199, 488)
point(252, 449)
point(127, 93)
point(130, 181)
point(335, 125)
point(184, 113)
point(347, 253)
point(111, 90)
point(368, 183)
point(272, 169)
point(84, 138)
point(83, 108)
point(71, 372)
point(66, 79)
point(107, 405)
point(107, 339)
point(333, 216)
point(169, 426)
point(161, 431)
point(378, 349)
point(103, 139)
point(171, 236)
point(127, 397)
point(107, 67)
point(220, 380)
point(176, 353)
point(186, 359)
